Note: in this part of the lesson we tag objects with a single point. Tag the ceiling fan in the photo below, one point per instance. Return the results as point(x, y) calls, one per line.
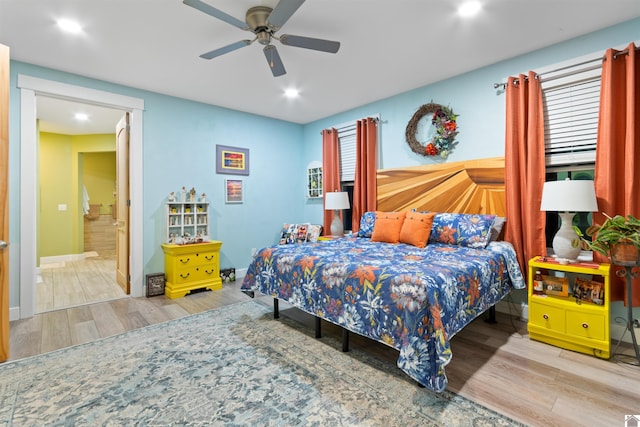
point(264, 22)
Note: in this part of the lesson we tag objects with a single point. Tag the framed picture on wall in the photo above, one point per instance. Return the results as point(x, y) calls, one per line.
point(233, 191)
point(232, 160)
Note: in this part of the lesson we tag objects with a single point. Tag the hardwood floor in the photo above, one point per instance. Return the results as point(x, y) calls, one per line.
point(493, 364)
point(74, 283)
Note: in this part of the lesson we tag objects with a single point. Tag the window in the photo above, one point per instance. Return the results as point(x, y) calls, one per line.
point(571, 102)
point(347, 144)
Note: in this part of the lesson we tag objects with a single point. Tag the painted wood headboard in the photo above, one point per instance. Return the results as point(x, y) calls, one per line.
point(472, 186)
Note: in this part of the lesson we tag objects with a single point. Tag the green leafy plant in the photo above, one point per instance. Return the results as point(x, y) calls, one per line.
point(612, 231)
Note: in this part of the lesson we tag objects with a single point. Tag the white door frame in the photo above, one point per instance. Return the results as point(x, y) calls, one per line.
point(30, 87)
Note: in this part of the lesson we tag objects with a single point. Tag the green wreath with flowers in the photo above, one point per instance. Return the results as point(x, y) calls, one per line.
point(444, 121)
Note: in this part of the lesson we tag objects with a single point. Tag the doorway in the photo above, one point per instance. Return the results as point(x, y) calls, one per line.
point(76, 196)
point(31, 87)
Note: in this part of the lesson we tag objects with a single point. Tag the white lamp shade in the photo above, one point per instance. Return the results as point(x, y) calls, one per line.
point(336, 201)
point(569, 196)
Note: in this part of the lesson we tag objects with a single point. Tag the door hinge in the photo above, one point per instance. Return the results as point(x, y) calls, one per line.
point(129, 203)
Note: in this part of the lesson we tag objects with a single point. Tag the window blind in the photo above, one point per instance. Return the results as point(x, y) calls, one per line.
point(571, 99)
point(347, 143)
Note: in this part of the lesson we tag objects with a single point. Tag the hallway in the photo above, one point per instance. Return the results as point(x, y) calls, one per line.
point(74, 283)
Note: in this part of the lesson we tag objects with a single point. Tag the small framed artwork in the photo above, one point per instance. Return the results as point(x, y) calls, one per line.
point(232, 160)
point(233, 191)
point(155, 284)
point(556, 285)
point(589, 291)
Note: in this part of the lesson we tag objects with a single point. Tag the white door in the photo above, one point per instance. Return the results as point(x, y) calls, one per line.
point(122, 204)
point(4, 203)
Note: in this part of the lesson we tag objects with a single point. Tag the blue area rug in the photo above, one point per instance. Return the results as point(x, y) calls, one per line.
point(233, 366)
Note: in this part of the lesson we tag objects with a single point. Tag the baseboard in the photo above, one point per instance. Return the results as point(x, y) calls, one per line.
point(14, 313)
point(62, 258)
point(240, 273)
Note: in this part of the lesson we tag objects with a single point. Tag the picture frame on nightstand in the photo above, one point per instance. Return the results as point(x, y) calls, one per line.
point(589, 291)
point(553, 285)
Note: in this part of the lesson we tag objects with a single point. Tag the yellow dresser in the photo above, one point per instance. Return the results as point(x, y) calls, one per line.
point(189, 267)
point(568, 322)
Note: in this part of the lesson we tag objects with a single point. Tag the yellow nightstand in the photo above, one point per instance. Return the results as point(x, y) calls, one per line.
point(564, 321)
point(189, 267)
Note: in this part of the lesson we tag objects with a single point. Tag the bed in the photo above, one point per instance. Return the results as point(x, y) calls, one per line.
point(413, 293)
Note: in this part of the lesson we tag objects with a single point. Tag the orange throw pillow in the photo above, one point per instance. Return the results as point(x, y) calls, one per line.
point(387, 227)
point(417, 228)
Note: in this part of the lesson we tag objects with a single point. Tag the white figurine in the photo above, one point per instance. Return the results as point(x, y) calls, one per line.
point(203, 198)
point(172, 197)
point(183, 197)
point(192, 195)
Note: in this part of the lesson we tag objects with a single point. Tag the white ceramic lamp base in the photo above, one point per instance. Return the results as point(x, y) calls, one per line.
point(337, 229)
point(566, 243)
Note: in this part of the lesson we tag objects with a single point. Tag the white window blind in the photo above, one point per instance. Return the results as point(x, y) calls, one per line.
point(347, 143)
point(571, 99)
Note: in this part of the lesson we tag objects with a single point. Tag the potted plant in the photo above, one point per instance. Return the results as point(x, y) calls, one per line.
point(618, 238)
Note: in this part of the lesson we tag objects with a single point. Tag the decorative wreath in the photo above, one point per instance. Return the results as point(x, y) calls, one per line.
point(446, 130)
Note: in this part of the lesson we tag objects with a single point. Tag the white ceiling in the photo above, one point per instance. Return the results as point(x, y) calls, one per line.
point(387, 47)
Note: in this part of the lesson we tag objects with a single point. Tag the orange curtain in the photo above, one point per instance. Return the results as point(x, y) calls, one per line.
point(524, 167)
point(617, 178)
point(330, 171)
point(364, 186)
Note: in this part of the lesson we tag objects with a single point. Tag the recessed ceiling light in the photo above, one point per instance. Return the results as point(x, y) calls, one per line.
point(81, 117)
point(469, 8)
point(291, 93)
point(69, 26)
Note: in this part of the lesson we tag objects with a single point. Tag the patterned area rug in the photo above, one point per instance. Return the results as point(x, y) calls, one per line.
point(233, 366)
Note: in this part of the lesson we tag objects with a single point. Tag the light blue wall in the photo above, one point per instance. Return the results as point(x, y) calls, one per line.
point(179, 139)
point(471, 95)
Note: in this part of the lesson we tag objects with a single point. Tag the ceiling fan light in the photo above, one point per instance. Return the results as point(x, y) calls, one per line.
point(264, 38)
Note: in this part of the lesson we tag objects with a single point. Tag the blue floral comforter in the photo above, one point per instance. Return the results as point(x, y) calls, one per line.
point(412, 299)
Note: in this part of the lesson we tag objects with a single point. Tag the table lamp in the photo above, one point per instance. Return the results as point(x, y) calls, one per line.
point(568, 197)
point(336, 201)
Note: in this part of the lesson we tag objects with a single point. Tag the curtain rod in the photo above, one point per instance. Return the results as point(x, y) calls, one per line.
point(375, 118)
point(598, 59)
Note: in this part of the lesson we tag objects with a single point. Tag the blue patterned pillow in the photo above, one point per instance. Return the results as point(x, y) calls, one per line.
point(367, 221)
point(469, 230)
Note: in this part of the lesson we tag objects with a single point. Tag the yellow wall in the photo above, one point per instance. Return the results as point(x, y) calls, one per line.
point(99, 177)
point(62, 170)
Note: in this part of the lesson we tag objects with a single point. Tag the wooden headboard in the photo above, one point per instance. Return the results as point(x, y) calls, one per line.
point(472, 186)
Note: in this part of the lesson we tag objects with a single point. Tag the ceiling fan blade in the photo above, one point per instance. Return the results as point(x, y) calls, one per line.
point(225, 49)
point(273, 58)
point(282, 12)
point(216, 13)
point(310, 43)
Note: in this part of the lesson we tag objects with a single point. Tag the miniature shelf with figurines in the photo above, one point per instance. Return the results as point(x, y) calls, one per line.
point(187, 218)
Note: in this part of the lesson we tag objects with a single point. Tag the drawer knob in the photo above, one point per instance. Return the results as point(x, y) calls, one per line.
point(184, 261)
point(208, 258)
point(209, 271)
point(545, 316)
point(185, 276)
point(585, 325)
